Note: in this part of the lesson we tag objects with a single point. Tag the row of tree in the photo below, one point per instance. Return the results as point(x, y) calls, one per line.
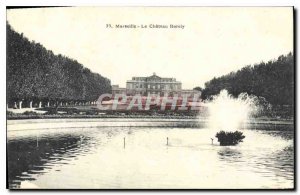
point(273, 80)
point(35, 73)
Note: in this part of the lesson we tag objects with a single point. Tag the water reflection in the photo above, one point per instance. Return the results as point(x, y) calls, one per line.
point(283, 162)
point(229, 154)
point(96, 158)
point(34, 155)
point(276, 164)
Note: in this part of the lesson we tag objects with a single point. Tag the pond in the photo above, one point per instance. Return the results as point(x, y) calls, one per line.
point(111, 157)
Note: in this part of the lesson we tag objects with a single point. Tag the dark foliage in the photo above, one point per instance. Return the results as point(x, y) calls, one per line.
point(273, 80)
point(9, 113)
point(35, 73)
point(230, 138)
point(198, 88)
point(51, 112)
point(30, 113)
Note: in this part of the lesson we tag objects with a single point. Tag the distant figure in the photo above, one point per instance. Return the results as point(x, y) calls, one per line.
point(212, 141)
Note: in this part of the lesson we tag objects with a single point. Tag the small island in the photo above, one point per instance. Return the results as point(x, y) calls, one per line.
point(230, 138)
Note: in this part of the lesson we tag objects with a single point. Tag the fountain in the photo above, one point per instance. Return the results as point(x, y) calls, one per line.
point(230, 114)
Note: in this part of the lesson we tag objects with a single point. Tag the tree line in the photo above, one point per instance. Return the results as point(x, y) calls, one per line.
point(273, 80)
point(36, 74)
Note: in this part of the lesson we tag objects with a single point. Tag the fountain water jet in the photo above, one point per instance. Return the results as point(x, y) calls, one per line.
point(228, 113)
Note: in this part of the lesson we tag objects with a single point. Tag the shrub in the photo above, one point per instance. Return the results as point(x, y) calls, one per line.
point(230, 138)
point(51, 111)
point(30, 113)
point(9, 113)
point(71, 112)
point(91, 112)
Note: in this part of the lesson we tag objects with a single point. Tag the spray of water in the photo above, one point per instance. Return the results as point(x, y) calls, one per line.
point(229, 113)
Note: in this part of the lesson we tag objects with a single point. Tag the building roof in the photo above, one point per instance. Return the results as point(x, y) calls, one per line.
point(153, 78)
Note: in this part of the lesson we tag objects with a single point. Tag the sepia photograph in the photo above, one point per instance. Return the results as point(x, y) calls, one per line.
point(150, 98)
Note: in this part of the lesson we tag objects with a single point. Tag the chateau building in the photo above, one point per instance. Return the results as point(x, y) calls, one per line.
point(152, 85)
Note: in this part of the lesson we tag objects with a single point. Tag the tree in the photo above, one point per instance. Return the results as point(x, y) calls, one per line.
point(35, 73)
point(273, 80)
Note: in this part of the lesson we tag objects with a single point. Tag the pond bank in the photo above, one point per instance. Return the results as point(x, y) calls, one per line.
point(36, 124)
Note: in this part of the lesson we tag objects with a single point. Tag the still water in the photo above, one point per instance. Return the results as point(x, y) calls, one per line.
point(139, 157)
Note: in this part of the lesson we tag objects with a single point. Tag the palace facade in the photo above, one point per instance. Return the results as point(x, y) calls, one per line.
point(152, 85)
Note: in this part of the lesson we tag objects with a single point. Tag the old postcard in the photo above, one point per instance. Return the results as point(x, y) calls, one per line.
point(150, 98)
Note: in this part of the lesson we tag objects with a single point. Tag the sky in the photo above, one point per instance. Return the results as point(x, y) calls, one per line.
point(213, 42)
